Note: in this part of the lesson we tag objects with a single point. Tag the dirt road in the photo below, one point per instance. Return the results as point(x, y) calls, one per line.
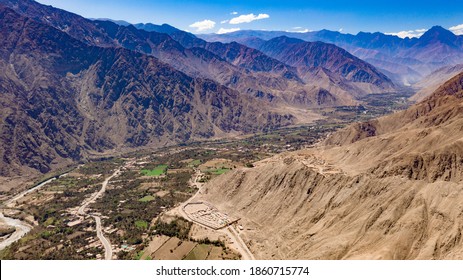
point(240, 246)
point(238, 242)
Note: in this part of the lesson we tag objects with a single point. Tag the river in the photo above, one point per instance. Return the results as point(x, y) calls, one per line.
point(22, 228)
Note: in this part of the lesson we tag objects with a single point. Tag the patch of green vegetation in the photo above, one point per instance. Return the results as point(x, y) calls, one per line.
point(176, 228)
point(49, 221)
point(147, 198)
point(139, 255)
point(141, 224)
point(207, 241)
point(158, 171)
point(46, 234)
point(204, 179)
point(195, 163)
point(103, 167)
point(200, 252)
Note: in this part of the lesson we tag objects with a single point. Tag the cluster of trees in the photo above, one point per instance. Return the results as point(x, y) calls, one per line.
point(179, 228)
point(207, 241)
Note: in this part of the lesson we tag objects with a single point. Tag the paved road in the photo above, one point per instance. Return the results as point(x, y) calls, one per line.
point(106, 244)
point(21, 195)
point(95, 196)
point(99, 231)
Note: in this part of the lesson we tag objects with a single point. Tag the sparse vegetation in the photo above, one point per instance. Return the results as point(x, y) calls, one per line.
point(218, 171)
point(140, 194)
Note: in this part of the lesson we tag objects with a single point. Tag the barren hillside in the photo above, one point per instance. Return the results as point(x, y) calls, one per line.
point(387, 189)
point(431, 82)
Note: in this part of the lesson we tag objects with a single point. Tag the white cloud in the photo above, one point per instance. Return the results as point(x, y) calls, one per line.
point(458, 29)
point(298, 29)
point(224, 21)
point(233, 13)
point(247, 18)
point(203, 25)
point(341, 29)
point(302, 30)
point(227, 30)
point(410, 33)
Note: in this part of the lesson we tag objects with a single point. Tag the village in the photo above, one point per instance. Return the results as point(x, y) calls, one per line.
point(119, 207)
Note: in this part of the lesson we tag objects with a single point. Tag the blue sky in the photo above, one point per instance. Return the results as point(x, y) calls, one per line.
point(206, 16)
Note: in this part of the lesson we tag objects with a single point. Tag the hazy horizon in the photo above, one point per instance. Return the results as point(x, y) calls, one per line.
point(404, 19)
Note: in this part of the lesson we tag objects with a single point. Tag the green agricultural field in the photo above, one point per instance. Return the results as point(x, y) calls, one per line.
point(147, 198)
point(141, 224)
point(158, 171)
point(139, 255)
point(200, 252)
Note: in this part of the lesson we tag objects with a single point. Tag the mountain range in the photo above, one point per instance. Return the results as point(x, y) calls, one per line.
point(73, 87)
point(233, 65)
point(406, 61)
point(63, 99)
point(118, 86)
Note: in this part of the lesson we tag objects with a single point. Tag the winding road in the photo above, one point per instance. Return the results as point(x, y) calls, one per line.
point(81, 211)
point(95, 196)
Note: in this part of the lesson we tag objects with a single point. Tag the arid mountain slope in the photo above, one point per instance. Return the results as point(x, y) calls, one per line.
point(236, 66)
point(390, 188)
point(434, 80)
point(303, 54)
point(62, 99)
point(406, 61)
point(323, 65)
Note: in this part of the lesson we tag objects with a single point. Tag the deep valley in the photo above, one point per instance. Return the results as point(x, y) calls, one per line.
point(123, 141)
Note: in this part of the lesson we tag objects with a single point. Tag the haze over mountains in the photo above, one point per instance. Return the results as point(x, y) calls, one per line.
point(118, 87)
point(405, 61)
point(73, 89)
point(62, 99)
point(432, 81)
point(122, 87)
